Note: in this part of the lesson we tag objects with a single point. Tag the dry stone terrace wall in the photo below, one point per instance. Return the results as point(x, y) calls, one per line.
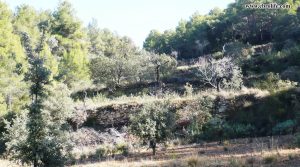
point(111, 116)
point(117, 115)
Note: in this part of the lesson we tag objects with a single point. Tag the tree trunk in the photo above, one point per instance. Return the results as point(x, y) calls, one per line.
point(35, 163)
point(153, 150)
point(157, 74)
point(152, 144)
point(219, 85)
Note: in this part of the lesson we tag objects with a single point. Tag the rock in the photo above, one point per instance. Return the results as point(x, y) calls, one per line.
point(114, 132)
point(89, 136)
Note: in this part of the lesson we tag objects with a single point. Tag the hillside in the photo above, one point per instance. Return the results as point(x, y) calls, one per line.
point(220, 89)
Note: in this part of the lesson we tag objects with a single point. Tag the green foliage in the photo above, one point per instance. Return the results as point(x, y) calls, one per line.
point(204, 34)
point(286, 127)
point(161, 65)
point(13, 94)
point(270, 159)
point(297, 140)
point(273, 82)
point(122, 68)
point(188, 89)
point(44, 140)
point(155, 122)
point(199, 113)
point(213, 129)
point(101, 152)
point(238, 51)
point(70, 45)
point(103, 42)
point(237, 130)
point(123, 149)
point(65, 23)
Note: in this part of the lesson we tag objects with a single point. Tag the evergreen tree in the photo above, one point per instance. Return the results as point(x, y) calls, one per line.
point(12, 65)
point(72, 47)
point(46, 140)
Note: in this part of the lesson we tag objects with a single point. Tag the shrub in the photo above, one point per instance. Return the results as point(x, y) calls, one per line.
point(101, 152)
point(188, 89)
point(297, 140)
point(273, 83)
point(237, 130)
point(213, 129)
point(270, 159)
point(193, 161)
point(285, 127)
point(123, 149)
point(235, 162)
point(154, 123)
point(199, 112)
point(83, 157)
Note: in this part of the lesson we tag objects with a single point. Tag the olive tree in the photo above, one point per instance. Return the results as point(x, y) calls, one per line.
point(154, 123)
point(219, 73)
point(162, 65)
point(112, 70)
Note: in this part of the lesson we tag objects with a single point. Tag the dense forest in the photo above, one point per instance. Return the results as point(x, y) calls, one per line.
point(232, 73)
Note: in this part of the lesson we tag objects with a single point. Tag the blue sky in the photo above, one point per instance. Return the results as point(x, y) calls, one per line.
point(133, 18)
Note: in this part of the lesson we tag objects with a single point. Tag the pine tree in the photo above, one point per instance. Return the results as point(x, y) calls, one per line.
point(12, 65)
point(38, 75)
point(46, 142)
point(72, 46)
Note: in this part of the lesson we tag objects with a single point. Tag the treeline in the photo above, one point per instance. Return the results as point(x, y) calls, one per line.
point(44, 57)
point(205, 34)
point(116, 60)
point(73, 53)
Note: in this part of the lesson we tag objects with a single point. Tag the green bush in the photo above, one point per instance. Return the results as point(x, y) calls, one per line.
point(154, 123)
point(122, 149)
point(273, 83)
point(285, 127)
point(297, 140)
point(237, 130)
point(213, 129)
point(270, 159)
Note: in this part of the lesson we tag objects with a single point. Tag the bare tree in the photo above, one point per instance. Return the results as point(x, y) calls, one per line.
point(221, 73)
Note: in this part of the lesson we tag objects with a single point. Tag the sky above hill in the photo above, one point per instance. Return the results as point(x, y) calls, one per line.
point(133, 18)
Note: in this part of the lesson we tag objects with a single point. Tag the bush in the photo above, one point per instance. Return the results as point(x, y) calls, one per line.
point(193, 161)
point(270, 159)
point(297, 140)
point(188, 89)
point(237, 130)
point(213, 129)
point(99, 154)
point(154, 123)
point(273, 83)
point(235, 162)
point(122, 149)
point(199, 112)
point(286, 127)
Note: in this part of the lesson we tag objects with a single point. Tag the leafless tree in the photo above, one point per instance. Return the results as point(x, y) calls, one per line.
point(221, 73)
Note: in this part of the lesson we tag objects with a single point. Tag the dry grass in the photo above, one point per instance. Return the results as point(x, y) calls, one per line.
point(269, 158)
point(101, 101)
point(241, 152)
point(7, 163)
